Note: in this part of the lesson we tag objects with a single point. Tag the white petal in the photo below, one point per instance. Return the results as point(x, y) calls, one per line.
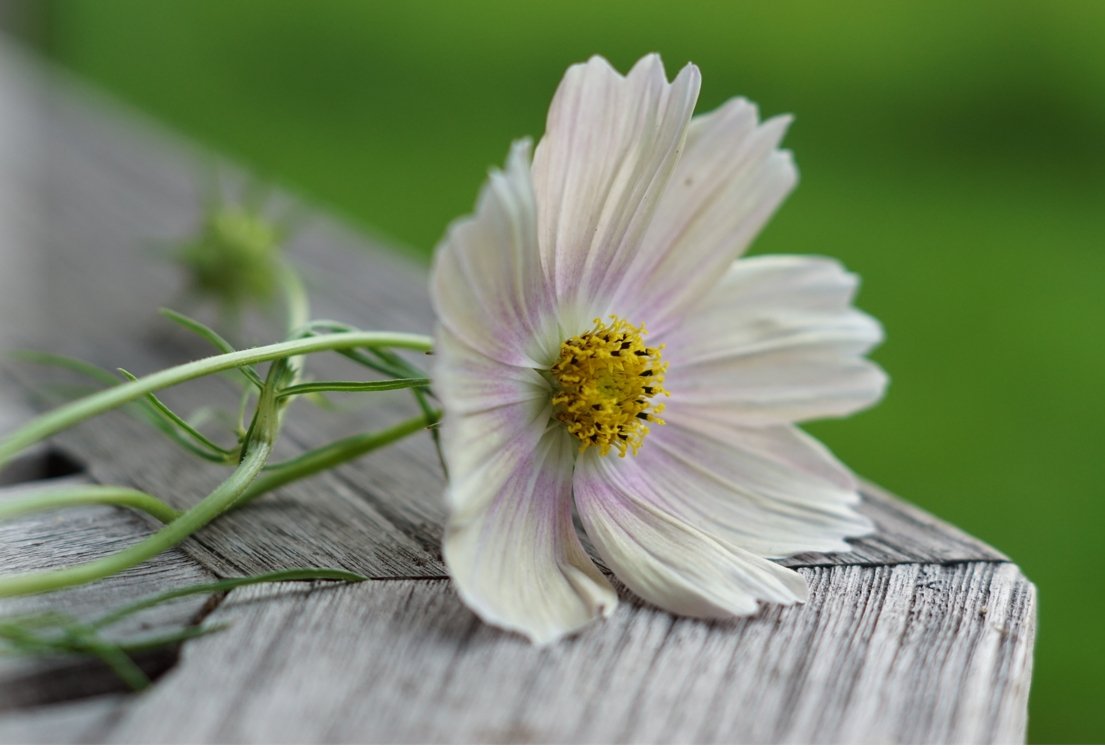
point(662, 558)
point(489, 406)
point(775, 342)
point(773, 491)
point(513, 552)
point(487, 284)
point(728, 182)
point(609, 148)
point(469, 381)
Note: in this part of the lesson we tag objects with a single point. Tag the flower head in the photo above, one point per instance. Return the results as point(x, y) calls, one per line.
point(235, 257)
point(601, 351)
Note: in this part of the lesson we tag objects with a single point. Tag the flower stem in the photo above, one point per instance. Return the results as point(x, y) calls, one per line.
point(73, 413)
point(297, 306)
point(215, 504)
point(76, 496)
point(335, 453)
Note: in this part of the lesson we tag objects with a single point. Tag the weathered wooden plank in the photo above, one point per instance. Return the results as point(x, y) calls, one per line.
point(68, 723)
point(902, 654)
point(63, 538)
point(73, 536)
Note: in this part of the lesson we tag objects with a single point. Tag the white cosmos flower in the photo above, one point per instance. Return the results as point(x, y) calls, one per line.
point(598, 287)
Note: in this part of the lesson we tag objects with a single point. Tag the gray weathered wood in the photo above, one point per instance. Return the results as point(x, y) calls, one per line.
point(64, 723)
point(920, 634)
point(60, 538)
point(418, 667)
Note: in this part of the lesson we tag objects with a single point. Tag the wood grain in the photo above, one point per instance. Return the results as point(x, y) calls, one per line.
point(60, 724)
point(920, 634)
point(63, 538)
point(902, 654)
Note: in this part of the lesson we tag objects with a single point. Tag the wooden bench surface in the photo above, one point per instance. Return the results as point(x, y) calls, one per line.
point(921, 634)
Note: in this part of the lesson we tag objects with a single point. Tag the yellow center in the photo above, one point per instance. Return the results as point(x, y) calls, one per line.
point(606, 379)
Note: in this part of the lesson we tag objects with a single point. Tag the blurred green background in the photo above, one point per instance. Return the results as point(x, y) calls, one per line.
point(952, 153)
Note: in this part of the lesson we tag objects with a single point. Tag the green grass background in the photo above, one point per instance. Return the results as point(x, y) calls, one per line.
point(952, 153)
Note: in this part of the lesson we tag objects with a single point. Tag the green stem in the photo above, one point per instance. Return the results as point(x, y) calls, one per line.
point(296, 317)
point(335, 453)
point(215, 504)
point(297, 307)
point(62, 418)
point(77, 496)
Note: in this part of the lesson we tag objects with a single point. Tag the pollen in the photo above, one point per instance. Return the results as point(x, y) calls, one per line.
point(606, 381)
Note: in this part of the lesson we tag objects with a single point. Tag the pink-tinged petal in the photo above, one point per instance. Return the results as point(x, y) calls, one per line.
point(489, 406)
point(728, 182)
point(773, 491)
point(775, 342)
point(510, 543)
point(609, 149)
point(513, 552)
point(682, 567)
point(487, 285)
point(468, 380)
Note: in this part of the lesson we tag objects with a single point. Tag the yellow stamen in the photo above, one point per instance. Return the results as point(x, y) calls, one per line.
point(607, 378)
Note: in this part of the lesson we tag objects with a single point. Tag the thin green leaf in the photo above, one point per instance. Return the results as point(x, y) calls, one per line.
point(379, 360)
point(173, 418)
point(216, 340)
point(24, 635)
point(172, 638)
point(367, 360)
point(398, 362)
point(36, 619)
point(294, 575)
point(390, 364)
point(243, 405)
point(117, 659)
point(25, 639)
point(352, 386)
point(157, 420)
point(144, 410)
point(434, 426)
point(67, 362)
point(81, 639)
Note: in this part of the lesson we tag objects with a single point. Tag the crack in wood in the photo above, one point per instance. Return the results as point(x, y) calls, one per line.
point(40, 464)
